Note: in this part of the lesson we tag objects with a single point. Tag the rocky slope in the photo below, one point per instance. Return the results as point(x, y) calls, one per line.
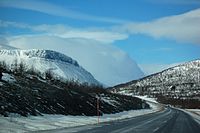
point(179, 85)
point(32, 95)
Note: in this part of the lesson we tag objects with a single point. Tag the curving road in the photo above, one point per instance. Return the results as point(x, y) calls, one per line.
point(167, 121)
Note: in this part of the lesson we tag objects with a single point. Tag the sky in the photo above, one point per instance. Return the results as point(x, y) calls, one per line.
point(150, 35)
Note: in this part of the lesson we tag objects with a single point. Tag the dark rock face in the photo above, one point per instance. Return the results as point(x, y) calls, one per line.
point(30, 95)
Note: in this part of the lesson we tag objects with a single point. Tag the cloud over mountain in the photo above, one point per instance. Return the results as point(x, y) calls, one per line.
point(107, 63)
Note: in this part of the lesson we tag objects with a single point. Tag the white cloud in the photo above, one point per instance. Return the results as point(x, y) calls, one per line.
point(52, 9)
point(91, 47)
point(182, 28)
point(60, 30)
point(107, 63)
point(63, 31)
point(103, 36)
point(4, 43)
point(3, 40)
point(176, 2)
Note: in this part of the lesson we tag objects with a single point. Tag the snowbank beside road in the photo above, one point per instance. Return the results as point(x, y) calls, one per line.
point(195, 113)
point(18, 124)
point(146, 98)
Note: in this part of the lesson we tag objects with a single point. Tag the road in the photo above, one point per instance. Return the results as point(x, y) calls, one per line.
point(168, 121)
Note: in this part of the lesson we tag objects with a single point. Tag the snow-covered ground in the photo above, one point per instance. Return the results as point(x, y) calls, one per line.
point(195, 113)
point(19, 124)
point(146, 98)
point(61, 66)
point(7, 77)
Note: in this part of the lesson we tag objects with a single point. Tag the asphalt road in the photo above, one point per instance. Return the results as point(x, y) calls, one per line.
point(167, 121)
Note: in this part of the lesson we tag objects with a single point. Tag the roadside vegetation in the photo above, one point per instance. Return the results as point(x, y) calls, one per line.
point(33, 93)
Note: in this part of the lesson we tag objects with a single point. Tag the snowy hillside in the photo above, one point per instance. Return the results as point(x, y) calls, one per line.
point(179, 82)
point(62, 66)
point(184, 73)
point(107, 63)
point(32, 95)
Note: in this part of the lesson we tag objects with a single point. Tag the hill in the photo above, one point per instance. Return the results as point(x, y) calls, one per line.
point(47, 61)
point(179, 85)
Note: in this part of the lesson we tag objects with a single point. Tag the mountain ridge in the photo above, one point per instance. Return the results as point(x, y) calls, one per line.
point(133, 81)
point(61, 66)
point(31, 95)
point(178, 83)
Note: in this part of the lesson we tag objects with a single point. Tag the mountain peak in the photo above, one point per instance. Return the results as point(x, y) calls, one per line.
point(40, 53)
point(62, 66)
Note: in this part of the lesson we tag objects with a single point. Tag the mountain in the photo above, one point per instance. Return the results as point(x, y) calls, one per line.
point(179, 85)
point(27, 94)
point(107, 63)
point(42, 61)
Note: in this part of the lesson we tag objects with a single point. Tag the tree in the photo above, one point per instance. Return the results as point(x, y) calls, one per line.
point(32, 71)
point(19, 68)
point(14, 66)
point(1, 73)
point(22, 68)
point(49, 74)
point(3, 65)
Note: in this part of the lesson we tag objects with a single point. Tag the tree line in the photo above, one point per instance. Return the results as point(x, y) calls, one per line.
point(19, 68)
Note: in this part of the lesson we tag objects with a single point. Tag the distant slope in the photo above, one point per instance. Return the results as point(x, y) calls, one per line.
point(62, 66)
point(31, 95)
point(180, 82)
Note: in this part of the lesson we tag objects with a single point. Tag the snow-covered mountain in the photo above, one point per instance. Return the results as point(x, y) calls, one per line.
point(179, 82)
point(59, 64)
point(107, 63)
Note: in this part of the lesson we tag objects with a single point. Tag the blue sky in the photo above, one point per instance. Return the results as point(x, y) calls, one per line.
point(125, 21)
point(130, 10)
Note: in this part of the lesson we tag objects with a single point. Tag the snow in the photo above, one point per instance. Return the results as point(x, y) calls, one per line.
point(62, 66)
point(107, 63)
point(181, 81)
point(195, 113)
point(109, 101)
point(8, 78)
point(19, 124)
point(146, 98)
